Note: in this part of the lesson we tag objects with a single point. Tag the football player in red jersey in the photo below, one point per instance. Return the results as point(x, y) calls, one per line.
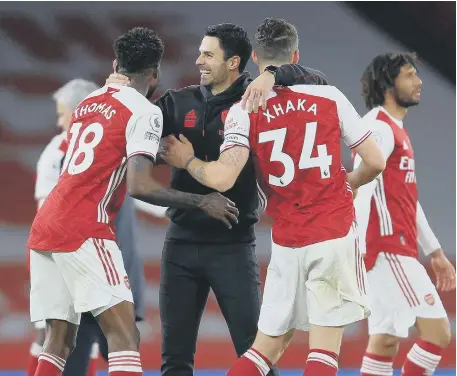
point(48, 171)
point(316, 276)
point(75, 263)
point(392, 225)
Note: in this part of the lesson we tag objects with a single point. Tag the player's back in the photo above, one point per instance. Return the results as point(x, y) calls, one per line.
point(91, 187)
point(296, 142)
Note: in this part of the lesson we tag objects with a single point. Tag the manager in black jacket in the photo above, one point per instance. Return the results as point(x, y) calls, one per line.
point(201, 252)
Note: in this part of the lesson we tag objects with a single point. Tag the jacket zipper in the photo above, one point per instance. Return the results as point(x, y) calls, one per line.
point(204, 124)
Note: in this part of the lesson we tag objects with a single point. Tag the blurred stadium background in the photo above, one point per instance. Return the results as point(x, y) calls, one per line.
point(43, 45)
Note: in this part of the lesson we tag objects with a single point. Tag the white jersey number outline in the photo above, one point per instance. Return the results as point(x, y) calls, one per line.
point(278, 137)
point(85, 148)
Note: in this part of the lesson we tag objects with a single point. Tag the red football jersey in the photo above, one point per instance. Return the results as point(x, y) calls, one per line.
point(296, 147)
point(392, 225)
point(109, 126)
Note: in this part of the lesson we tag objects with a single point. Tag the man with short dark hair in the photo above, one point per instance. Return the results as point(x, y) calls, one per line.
point(200, 253)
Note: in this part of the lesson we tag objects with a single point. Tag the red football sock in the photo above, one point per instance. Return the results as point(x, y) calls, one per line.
point(124, 363)
point(49, 365)
point(422, 359)
point(321, 363)
point(251, 363)
point(377, 365)
point(92, 370)
point(35, 351)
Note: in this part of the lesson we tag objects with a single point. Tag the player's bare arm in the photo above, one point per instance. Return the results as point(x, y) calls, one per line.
point(220, 175)
point(142, 186)
point(223, 173)
point(373, 163)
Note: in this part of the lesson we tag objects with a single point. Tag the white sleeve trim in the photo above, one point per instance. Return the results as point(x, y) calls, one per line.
point(425, 236)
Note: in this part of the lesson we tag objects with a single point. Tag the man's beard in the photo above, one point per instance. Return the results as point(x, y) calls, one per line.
point(218, 79)
point(405, 103)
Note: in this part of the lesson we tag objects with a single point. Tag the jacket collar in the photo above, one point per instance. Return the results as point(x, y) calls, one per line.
point(236, 89)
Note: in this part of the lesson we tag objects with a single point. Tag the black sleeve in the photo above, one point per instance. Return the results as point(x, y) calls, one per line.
point(294, 74)
point(165, 103)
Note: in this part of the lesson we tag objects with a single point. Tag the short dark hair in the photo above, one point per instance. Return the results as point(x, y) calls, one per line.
point(138, 50)
point(234, 41)
point(276, 39)
point(380, 75)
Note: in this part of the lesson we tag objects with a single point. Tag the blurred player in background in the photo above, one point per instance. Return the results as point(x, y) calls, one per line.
point(75, 263)
point(316, 278)
point(392, 224)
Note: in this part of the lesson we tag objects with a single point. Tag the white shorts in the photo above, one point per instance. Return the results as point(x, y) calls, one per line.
point(400, 291)
point(65, 284)
point(321, 284)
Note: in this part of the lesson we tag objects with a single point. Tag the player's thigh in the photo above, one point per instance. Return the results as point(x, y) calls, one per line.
point(282, 293)
point(125, 222)
point(428, 302)
point(233, 273)
point(50, 297)
point(400, 291)
point(95, 275)
point(182, 297)
point(336, 281)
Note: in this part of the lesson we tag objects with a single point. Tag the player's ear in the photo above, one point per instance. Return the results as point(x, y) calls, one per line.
point(114, 65)
point(296, 57)
point(234, 62)
point(255, 58)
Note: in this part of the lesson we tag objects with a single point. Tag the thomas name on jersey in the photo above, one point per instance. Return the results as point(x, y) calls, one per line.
point(107, 112)
point(299, 106)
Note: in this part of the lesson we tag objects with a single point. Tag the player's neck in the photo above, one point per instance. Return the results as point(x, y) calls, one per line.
point(139, 85)
point(265, 64)
point(394, 109)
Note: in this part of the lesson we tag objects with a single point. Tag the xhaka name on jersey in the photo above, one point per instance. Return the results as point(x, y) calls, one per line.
point(298, 105)
point(408, 164)
point(106, 111)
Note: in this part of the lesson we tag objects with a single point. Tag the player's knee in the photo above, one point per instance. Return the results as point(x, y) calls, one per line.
point(61, 339)
point(124, 340)
point(383, 345)
point(443, 334)
point(446, 337)
point(269, 346)
point(436, 331)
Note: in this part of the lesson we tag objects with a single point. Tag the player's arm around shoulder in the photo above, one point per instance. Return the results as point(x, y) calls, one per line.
point(222, 174)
